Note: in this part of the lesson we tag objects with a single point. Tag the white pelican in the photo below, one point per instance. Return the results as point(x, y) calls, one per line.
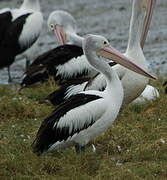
point(17, 32)
point(87, 114)
point(133, 83)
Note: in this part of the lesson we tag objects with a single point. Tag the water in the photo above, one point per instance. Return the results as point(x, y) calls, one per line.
point(109, 18)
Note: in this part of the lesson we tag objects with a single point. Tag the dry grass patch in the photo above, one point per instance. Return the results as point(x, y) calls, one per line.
point(134, 148)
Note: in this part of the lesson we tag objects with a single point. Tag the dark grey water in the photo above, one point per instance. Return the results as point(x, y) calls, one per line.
point(109, 18)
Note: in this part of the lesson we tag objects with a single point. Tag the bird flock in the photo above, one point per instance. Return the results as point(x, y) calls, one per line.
point(95, 80)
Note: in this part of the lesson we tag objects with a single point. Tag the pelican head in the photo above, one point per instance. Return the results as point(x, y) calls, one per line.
point(95, 45)
point(61, 23)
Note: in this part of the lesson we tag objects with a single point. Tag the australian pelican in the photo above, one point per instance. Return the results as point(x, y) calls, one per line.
point(83, 116)
point(65, 61)
point(133, 83)
point(19, 30)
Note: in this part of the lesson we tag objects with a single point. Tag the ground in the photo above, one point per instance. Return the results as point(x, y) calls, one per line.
point(134, 148)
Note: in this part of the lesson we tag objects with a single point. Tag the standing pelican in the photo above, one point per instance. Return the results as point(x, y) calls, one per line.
point(17, 32)
point(149, 92)
point(87, 114)
point(133, 83)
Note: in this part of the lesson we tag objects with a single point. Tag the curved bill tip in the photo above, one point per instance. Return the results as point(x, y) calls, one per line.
point(114, 55)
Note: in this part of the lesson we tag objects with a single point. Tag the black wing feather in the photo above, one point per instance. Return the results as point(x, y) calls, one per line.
point(13, 33)
point(57, 56)
point(5, 22)
point(58, 96)
point(49, 133)
point(9, 46)
point(165, 85)
point(40, 76)
point(47, 63)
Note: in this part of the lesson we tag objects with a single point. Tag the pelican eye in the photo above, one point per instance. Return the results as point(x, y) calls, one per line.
point(105, 42)
point(52, 26)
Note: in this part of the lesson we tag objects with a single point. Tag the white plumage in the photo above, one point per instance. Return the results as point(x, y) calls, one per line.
point(29, 32)
point(87, 114)
point(74, 67)
point(133, 83)
point(64, 23)
point(149, 93)
point(92, 110)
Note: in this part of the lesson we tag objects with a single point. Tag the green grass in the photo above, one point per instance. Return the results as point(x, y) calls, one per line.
point(134, 148)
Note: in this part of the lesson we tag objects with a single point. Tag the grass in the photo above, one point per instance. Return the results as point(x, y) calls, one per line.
point(134, 148)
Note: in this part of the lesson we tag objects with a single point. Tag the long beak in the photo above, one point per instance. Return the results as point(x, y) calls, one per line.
point(147, 21)
point(114, 55)
point(60, 34)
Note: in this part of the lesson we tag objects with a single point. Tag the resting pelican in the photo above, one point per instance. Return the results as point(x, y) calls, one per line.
point(87, 114)
point(149, 93)
point(65, 61)
point(17, 32)
point(133, 84)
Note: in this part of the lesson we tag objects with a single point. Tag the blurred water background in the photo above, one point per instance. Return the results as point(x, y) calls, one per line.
point(109, 18)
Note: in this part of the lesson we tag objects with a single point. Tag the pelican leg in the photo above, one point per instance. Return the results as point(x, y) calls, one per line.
point(165, 85)
point(9, 75)
point(27, 63)
point(79, 148)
